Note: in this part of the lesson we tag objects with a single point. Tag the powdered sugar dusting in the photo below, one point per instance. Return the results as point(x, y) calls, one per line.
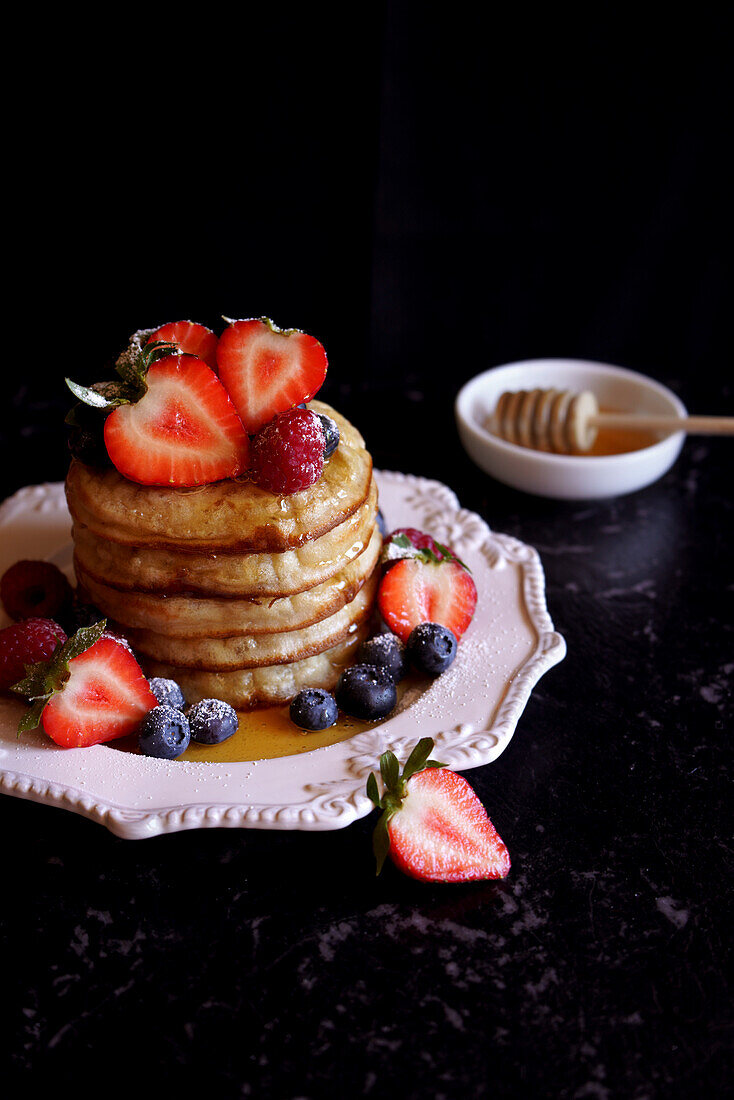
point(392, 552)
point(486, 665)
point(208, 710)
point(135, 345)
point(385, 642)
point(120, 639)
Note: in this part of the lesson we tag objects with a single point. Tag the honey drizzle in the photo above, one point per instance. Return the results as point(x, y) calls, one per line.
point(268, 733)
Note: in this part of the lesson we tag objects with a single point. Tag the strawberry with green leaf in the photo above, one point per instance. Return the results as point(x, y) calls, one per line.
point(130, 386)
point(409, 539)
point(169, 420)
point(90, 691)
point(432, 825)
point(424, 582)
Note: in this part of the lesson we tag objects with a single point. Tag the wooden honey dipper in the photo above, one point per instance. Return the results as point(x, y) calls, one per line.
point(567, 423)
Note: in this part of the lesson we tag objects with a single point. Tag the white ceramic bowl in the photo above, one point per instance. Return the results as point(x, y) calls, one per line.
point(567, 477)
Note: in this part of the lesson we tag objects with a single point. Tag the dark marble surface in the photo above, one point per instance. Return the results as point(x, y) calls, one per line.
point(277, 965)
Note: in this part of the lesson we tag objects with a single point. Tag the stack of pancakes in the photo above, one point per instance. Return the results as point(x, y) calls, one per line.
point(230, 590)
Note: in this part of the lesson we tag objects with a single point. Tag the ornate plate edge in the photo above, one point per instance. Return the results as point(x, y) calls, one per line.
point(337, 803)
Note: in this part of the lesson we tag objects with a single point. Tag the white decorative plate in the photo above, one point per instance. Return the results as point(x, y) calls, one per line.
point(471, 710)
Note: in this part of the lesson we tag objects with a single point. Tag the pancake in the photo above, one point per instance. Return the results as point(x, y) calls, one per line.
point(172, 571)
point(201, 617)
point(230, 590)
point(257, 650)
point(262, 687)
point(232, 515)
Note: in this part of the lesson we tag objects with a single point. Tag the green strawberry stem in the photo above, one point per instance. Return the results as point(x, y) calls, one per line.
point(424, 554)
point(395, 791)
point(45, 678)
point(132, 367)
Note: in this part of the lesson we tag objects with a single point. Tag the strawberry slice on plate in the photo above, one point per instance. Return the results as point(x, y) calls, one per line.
point(424, 585)
point(267, 370)
point(190, 339)
point(432, 825)
point(183, 431)
point(91, 691)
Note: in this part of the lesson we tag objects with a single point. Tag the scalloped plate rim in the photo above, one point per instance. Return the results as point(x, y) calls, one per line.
point(338, 798)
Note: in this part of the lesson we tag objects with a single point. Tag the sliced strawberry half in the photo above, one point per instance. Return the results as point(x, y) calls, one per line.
point(92, 690)
point(432, 825)
point(267, 370)
point(104, 698)
point(183, 431)
point(420, 590)
point(190, 339)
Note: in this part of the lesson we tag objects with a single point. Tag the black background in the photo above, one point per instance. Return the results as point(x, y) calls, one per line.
point(430, 194)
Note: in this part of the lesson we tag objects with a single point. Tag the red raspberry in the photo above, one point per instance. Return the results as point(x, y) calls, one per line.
point(287, 455)
point(35, 589)
point(25, 643)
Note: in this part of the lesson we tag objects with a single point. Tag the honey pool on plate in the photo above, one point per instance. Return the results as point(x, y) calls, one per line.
point(268, 733)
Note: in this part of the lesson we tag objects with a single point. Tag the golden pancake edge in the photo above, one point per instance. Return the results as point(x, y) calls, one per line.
point(234, 592)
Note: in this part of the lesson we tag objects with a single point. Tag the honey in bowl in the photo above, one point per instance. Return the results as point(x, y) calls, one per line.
point(607, 441)
point(567, 423)
point(619, 441)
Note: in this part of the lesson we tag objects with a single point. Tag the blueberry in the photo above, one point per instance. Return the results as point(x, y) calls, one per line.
point(331, 434)
point(164, 733)
point(385, 650)
point(381, 523)
point(212, 721)
point(168, 692)
point(431, 648)
point(366, 691)
point(313, 709)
